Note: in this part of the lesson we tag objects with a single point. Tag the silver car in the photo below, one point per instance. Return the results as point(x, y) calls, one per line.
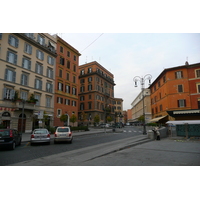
point(40, 135)
point(63, 134)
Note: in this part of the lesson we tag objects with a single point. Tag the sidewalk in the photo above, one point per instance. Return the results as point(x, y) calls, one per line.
point(26, 136)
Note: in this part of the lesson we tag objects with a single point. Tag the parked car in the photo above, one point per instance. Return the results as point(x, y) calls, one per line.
point(104, 125)
point(10, 138)
point(40, 135)
point(63, 134)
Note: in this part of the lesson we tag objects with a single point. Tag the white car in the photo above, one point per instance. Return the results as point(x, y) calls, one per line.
point(63, 134)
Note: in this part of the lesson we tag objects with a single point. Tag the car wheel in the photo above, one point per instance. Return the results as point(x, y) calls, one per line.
point(70, 142)
point(13, 146)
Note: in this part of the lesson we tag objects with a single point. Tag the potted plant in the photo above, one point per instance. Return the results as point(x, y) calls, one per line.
point(32, 99)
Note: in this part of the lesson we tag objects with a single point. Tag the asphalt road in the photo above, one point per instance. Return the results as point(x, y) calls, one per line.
point(27, 152)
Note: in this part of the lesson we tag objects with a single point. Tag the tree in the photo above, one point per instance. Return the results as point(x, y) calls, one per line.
point(109, 119)
point(141, 118)
point(96, 119)
point(73, 119)
point(63, 118)
point(83, 116)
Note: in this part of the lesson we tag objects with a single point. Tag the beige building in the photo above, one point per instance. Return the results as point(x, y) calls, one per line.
point(27, 63)
point(137, 107)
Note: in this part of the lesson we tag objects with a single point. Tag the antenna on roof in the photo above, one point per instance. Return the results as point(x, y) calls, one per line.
point(186, 63)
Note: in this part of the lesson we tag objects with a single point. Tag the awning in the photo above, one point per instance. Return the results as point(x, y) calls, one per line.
point(184, 122)
point(186, 112)
point(52, 44)
point(157, 119)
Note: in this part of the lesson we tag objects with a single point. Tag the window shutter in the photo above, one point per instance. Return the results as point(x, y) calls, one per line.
point(4, 92)
point(184, 103)
point(36, 67)
point(37, 53)
point(26, 80)
point(29, 65)
point(35, 82)
point(15, 59)
point(7, 58)
point(40, 85)
point(42, 56)
point(22, 79)
point(17, 42)
point(6, 74)
point(30, 49)
point(176, 75)
point(9, 39)
point(178, 103)
point(14, 77)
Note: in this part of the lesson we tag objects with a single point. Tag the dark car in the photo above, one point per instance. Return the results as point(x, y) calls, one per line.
point(10, 138)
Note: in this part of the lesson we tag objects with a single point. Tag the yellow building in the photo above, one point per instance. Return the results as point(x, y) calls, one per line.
point(27, 63)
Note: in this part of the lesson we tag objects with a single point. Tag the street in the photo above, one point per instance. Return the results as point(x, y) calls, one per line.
point(129, 147)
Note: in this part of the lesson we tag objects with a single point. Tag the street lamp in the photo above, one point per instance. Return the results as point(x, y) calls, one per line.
point(142, 82)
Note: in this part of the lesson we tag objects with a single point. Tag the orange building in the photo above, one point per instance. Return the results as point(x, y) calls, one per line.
point(96, 93)
point(66, 81)
point(175, 94)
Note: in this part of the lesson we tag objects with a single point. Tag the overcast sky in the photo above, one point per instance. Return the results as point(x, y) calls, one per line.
point(127, 55)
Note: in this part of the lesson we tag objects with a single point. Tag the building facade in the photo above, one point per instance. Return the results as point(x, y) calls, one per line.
point(175, 94)
point(118, 109)
point(96, 93)
point(27, 61)
point(66, 81)
point(139, 108)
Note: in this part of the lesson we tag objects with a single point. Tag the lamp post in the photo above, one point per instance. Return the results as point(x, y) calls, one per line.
point(142, 82)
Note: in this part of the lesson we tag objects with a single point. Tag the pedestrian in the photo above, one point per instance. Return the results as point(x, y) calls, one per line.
point(157, 133)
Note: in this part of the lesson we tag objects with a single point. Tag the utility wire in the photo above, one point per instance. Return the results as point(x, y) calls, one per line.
point(92, 42)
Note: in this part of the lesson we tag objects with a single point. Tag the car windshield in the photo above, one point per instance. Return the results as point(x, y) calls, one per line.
point(4, 132)
point(40, 132)
point(63, 130)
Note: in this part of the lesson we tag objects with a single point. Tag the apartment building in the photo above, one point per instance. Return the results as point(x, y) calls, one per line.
point(141, 106)
point(66, 81)
point(96, 93)
point(27, 63)
point(175, 94)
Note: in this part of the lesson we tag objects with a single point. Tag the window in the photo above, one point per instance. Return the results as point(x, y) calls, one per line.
point(68, 53)
point(158, 83)
point(61, 49)
point(73, 103)
point(198, 103)
point(40, 55)
point(181, 103)
point(10, 75)
point(68, 64)
point(90, 96)
point(49, 72)
point(164, 79)
point(48, 102)
point(0, 36)
point(59, 100)
point(67, 102)
point(73, 91)
point(67, 89)
point(60, 73)
point(178, 74)
point(24, 79)
point(90, 70)
point(28, 48)
point(62, 61)
point(90, 79)
point(8, 93)
point(82, 80)
point(82, 98)
point(41, 40)
point(180, 88)
point(60, 86)
point(26, 63)
point(50, 60)
point(24, 95)
point(37, 96)
point(74, 68)
point(59, 112)
point(89, 87)
point(198, 87)
point(49, 87)
point(67, 78)
point(160, 107)
point(12, 57)
point(81, 106)
point(82, 72)
point(74, 79)
point(38, 84)
point(89, 105)
point(74, 58)
point(198, 73)
point(39, 68)
point(13, 41)
point(30, 35)
point(82, 89)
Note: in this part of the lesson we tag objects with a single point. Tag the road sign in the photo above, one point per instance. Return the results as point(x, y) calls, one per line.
point(40, 114)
